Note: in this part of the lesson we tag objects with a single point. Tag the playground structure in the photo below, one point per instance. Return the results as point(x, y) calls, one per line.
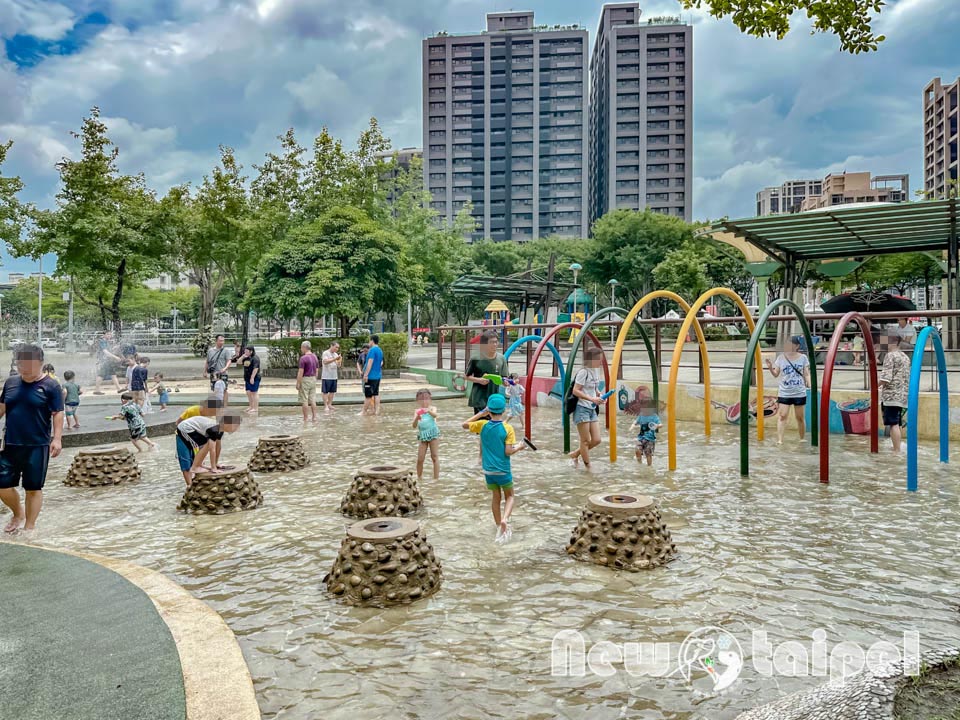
point(753, 366)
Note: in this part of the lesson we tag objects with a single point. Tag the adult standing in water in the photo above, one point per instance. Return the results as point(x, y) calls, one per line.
point(32, 403)
point(307, 380)
point(373, 373)
point(894, 389)
point(586, 387)
point(331, 360)
point(218, 361)
point(486, 361)
point(793, 369)
point(251, 378)
point(361, 364)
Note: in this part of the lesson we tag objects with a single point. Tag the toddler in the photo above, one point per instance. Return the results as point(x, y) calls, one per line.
point(163, 393)
point(425, 421)
point(515, 399)
point(71, 399)
point(648, 423)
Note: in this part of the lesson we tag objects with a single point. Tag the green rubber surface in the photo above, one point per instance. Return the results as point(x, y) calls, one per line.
point(80, 642)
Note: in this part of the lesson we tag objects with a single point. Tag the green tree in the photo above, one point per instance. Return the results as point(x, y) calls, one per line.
point(497, 259)
point(682, 271)
point(105, 229)
point(849, 20)
point(326, 175)
point(365, 188)
point(12, 212)
point(228, 227)
point(901, 271)
point(628, 245)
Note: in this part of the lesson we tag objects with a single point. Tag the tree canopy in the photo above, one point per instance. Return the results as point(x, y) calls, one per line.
point(850, 20)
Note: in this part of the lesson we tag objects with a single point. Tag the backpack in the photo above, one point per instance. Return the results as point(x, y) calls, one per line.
point(570, 404)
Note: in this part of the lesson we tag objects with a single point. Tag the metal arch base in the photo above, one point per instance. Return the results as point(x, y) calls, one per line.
point(618, 357)
point(675, 369)
point(752, 347)
point(828, 382)
point(913, 403)
point(598, 315)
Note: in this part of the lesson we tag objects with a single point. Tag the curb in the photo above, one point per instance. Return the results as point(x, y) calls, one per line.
point(216, 679)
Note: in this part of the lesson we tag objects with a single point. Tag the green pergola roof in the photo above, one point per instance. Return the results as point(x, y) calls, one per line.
point(850, 232)
point(512, 289)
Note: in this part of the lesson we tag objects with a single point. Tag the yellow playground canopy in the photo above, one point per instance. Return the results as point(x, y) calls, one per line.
point(496, 306)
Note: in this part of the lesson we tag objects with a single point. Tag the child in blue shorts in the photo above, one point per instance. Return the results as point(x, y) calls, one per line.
point(648, 423)
point(498, 443)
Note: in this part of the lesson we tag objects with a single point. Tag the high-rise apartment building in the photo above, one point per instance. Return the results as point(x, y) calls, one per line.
point(641, 119)
point(940, 119)
point(395, 162)
point(786, 198)
point(504, 127)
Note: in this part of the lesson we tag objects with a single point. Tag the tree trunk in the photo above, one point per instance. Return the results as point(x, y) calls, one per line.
point(117, 296)
point(244, 330)
point(104, 325)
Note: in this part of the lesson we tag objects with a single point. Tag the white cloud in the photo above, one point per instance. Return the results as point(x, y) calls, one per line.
point(39, 18)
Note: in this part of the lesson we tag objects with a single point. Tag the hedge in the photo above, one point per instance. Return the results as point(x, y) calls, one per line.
point(285, 353)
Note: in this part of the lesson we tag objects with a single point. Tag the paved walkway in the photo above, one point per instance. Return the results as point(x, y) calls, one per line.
point(80, 642)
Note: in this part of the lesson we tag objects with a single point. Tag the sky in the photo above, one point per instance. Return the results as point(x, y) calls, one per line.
point(174, 79)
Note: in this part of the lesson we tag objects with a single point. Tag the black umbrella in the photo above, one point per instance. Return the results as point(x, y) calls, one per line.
point(867, 301)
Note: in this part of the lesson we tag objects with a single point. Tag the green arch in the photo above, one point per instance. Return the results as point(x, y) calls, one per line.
point(748, 369)
point(568, 380)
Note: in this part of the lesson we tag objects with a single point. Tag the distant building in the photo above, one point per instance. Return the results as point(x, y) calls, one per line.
point(859, 187)
point(504, 127)
point(940, 116)
point(397, 161)
point(786, 198)
point(168, 281)
point(641, 114)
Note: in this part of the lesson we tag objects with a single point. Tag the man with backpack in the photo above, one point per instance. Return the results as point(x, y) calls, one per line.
point(218, 361)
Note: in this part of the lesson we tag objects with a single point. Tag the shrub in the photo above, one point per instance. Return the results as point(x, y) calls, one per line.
point(394, 346)
point(201, 341)
point(285, 353)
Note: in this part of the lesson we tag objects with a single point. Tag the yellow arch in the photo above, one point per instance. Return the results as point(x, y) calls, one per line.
point(618, 357)
point(675, 368)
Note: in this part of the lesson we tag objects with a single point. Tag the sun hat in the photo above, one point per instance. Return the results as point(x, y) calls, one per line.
point(496, 404)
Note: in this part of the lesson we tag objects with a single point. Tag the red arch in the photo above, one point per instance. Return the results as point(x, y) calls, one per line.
point(532, 367)
point(828, 380)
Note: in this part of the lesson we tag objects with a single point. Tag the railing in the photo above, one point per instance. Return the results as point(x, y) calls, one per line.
point(454, 347)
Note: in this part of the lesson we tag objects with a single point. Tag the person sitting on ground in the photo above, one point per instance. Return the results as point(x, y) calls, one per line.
point(131, 411)
point(894, 383)
point(198, 437)
point(71, 398)
point(499, 444)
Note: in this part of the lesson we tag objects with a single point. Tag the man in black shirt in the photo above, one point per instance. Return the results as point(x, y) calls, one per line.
point(33, 405)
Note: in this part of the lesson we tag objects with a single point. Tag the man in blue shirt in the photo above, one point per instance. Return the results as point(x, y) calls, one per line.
point(372, 373)
point(33, 405)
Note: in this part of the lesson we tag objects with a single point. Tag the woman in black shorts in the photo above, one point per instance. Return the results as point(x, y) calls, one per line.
point(793, 369)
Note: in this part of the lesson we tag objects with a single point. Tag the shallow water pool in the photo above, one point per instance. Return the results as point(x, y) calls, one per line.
point(861, 559)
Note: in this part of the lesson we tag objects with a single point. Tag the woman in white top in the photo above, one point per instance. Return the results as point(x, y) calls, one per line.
point(586, 387)
point(793, 369)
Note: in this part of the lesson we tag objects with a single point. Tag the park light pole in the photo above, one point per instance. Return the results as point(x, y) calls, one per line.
point(576, 268)
point(613, 291)
point(40, 306)
point(1, 322)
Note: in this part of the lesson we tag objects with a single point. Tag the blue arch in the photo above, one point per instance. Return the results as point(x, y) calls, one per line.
point(536, 338)
point(913, 403)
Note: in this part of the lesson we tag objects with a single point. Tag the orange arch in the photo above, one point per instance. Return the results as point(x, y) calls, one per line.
point(618, 356)
point(675, 369)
